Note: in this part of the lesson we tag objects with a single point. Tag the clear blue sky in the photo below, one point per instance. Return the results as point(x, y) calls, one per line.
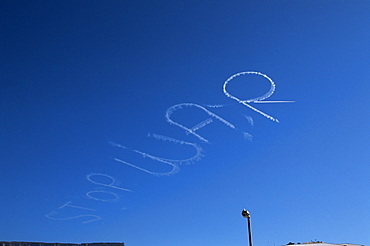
point(89, 89)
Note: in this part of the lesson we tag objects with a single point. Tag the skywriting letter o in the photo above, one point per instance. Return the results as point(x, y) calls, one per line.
point(89, 195)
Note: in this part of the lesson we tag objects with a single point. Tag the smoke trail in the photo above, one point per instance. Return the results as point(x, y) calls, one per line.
point(250, 120)
point(68, 205)
point(248, 136)
point(110, 185)
point(188, 161)
point(171, 162)
point(216, 105)
point(49, 216)
point(192, 131)
point(201, 124)
point(260, 98)
point(273, 101)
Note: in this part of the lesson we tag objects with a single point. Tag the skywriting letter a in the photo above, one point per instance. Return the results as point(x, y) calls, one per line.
point(211, 117)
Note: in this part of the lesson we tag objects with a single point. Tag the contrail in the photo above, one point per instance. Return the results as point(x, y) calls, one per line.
point(263, 97)
point(88, 177)
point(171, 162)
point(216, 105)
point(257, 99)
point(250, 120)
point(201, 124)
point(192, 131)
point(273, 101)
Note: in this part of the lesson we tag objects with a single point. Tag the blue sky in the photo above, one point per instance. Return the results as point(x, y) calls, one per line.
point(100, 99)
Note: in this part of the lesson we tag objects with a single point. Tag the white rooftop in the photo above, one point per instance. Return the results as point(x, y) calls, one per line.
point(327, 244)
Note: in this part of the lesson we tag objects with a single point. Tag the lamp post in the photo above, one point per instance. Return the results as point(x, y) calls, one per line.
point(247, 215)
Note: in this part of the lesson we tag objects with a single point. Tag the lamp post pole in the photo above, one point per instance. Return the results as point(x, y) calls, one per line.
point(247, 215)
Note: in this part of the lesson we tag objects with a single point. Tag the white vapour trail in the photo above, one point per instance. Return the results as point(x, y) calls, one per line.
point(247, 136)
point(246, 102)
point(250, 120)
point(52, 213)
point(49, 216)
point(196, 157)
point(176, 107)
point(175, 169)
point(216, 105)
point(201, 124)
point(171, 162)
point(273, 101)
point(117, 145)
point(110, 185)
point(72, 206)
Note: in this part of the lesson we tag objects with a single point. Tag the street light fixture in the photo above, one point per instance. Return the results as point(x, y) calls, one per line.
point(247, 215)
